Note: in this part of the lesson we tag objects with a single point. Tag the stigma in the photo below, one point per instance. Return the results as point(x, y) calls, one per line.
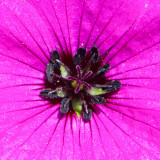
point(78, 83)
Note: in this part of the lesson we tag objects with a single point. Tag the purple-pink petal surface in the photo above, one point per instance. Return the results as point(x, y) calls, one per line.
point(127, 34)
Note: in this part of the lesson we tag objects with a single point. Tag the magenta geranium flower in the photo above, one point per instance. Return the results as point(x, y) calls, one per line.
point(80, 79)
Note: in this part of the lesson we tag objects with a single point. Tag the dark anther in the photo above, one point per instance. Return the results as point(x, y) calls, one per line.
point(64, 108)
point(103, 70)
point(54, 56)
point(78, 57)
point(98, 100)
point(48, 93)
point(95, 52)
point(50, 71)
point(87, 116)
point(112, 86)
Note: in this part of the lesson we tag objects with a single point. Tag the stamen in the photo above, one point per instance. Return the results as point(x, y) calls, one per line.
point(88, 64)
point(77, 88)
point(98, 100)
point(78, 57)
point(103, 70)
point(85, 106)
point(48, 93)
point(78, 71)
point(64, 66)
point(87, 75)
point(64, 108)
point(112, 86)
point(87, 116)
point(80, 81)
point(49, 72)
point(95, 52)
point(55, 55)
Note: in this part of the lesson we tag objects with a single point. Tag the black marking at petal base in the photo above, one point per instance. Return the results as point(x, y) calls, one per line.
point(103, 70)
point(95, 52)
point(112, 86)
point(87, 116)
point(78, 57)
point(64, 108)
point(98, 100)
point(50, 71)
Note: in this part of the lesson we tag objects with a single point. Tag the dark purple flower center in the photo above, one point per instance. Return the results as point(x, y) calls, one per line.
point(78, 82)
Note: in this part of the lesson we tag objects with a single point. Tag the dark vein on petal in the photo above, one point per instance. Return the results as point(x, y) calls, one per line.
point(90, 125)
point(105, 27)
point(124, 98)
point(133, 37)
point(99, 134)
point(150, 47)
point(19, 75)
point(110, 135)
point(38, 127)
point(106, 39)
point(31, 36)
point(64, 130)
point(80, 26)
point(17, 60)
point(126, 85)
point(119, 73)
point(97, 17)
point(59, 25)
point(131, 107)
point(109, 50)
point(28, 48)
point(51, 135)
point(72, 132)
point(80, 138)
point(68, 27)
point(26, 109)
point(52, 29)
point(123, 114)
point(22, 85)
point(27, 118)
point(44, 44)
point(123, 131)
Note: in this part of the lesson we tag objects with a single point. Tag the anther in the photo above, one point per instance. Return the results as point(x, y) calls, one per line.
point(55, 55)
point(78, 71)
point(87, 75)
point(98, 100)
point(87, 116)
point(49, 72)
point(95, 52)
point(78, 57)
point(61, 63)
point(48, 93)
point(64, 108)
point(112, 86)
point(103, 70)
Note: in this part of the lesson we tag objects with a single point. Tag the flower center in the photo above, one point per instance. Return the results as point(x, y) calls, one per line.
point(78, 83)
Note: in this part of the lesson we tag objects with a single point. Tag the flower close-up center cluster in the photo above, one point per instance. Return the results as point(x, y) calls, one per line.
point(79, 79)
point(79, 87)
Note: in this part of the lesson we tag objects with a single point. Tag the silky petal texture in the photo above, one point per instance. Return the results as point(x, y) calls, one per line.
point(127, 34)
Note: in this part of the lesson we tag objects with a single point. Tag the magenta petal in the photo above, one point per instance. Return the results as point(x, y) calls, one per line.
point(128, 37)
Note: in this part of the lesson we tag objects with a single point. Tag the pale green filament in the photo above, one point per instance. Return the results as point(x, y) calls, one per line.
point(96, 91)
point(77, 106)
